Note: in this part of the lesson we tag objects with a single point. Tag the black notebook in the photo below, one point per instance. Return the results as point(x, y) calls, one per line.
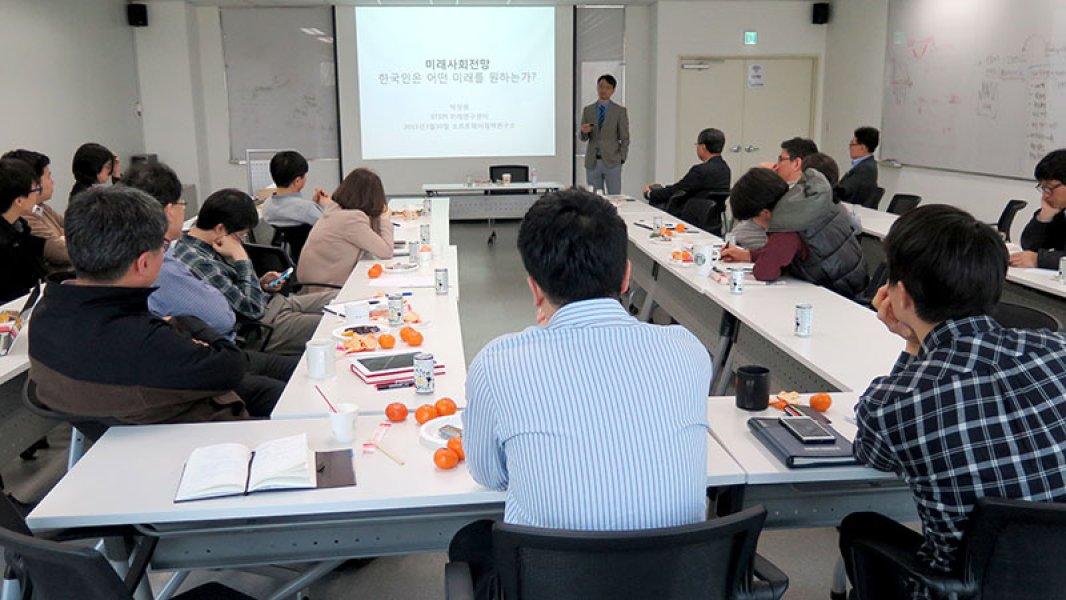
point(794, 453)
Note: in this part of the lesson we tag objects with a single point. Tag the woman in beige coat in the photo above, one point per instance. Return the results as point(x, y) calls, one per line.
point(357, 223)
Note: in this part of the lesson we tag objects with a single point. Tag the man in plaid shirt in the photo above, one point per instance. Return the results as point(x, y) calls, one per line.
point(970, 409)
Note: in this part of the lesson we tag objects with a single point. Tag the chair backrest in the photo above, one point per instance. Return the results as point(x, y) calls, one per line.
point(294, 237)
point(712, 559)
point(704, 209)
point(91, 427)
point(903, 203)
point(874, 199)
point(1016, 549)
point(268, 258)
point(519, 173)
point(1006, 219)
point(1016, 316)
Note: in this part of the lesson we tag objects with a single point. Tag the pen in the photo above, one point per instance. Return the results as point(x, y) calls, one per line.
point(645, 226)
point(396, 385)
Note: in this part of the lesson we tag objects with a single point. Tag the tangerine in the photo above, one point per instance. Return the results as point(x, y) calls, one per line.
point(821, 402)
point(396, 412)
point(405, 333)
point(680, 228)
point(445, 458)
point(445, 407)
point(456, 446)
point(425, 413)
point(414, 338)
point(375, 271)
point(386, 341)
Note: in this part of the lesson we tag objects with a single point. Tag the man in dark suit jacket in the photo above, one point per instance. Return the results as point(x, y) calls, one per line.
point(605, 126)
point(711, 174)
point(860, 182)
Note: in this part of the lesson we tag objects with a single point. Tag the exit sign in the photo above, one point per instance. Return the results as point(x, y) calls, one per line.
point(751, 38)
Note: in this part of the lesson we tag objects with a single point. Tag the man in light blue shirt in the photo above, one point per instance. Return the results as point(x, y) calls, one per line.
point(590, 420)
point(287, 207)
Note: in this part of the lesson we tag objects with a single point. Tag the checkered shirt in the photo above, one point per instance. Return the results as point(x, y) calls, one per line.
point(237, 281)
point(980, 411)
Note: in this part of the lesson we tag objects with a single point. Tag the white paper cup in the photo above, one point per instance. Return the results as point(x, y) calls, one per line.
point(342, 422)
point(320, 360)
point(704, 257)
point(356, 313)
point(437, 250)
point(507, 179)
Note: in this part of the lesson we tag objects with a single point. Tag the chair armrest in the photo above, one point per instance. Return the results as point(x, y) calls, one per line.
point(906, 563)
point(458, 584)
point(769, 583)
point(266, 331)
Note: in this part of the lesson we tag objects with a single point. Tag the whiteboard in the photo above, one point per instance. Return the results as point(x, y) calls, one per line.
point(281, 80)
point(975, 85)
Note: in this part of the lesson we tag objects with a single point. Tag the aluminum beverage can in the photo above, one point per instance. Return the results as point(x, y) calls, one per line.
point(423, 371)
point(440, 281)
point(423, 233)
point(657, 222)
point(395, 309)
point(427, 205)
point(804, 319)
point(1062, 270)
point(736, 282)
point(412, 252)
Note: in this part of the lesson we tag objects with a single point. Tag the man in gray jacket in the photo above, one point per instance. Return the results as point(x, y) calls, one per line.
point(605, 126)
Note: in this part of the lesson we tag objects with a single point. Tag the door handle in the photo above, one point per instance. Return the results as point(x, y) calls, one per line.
point(734, 148)
point(750, 148)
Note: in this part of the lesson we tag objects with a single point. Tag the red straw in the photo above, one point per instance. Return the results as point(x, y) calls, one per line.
point(321, 393)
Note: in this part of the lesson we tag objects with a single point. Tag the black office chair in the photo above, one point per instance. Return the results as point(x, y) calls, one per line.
point(874, 199)
point(519, 173)
point(1016, 316)
point(292, 239)
point(1012, 550)
point(877, 279)
point(49, 570)
point(903, 203)
point(704, 209)
point(1006, 218)
point(714, 559)
point(272, 258)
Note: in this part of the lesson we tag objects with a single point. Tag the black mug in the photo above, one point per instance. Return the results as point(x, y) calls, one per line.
point(753, 387)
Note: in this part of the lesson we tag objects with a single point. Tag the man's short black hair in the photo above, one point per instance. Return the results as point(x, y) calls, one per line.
point(231, 208)
point(951, 264)
point(798, 147)
point(16, 181)
point(89, 160)
point(286, 166)
point(757, 189)
point(824, 164)
point(108, 228)
point(35, 160)
point(712, 139)
point(1052, 167)
point(157, 180)
point(869, 137)
point(573, 244)
point(611, 81)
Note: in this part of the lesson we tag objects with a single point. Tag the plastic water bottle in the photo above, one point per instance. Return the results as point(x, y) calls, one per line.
point(533, 175)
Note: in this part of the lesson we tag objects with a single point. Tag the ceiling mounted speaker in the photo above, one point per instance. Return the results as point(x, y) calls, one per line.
point(137, 15)
point(820, 14)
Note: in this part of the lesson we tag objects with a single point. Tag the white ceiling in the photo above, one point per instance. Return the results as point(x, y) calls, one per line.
point(284, 3)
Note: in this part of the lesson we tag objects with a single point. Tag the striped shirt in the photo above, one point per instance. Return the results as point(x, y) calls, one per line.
point(980, 411)
point(594, 422)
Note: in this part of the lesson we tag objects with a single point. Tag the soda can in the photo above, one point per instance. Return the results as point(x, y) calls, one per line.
point(657, 222)
point(440, 281)
point(1062, 270)
point(804, 319)
point(412, 252)
point(423, 367)
point(396, 309)
point(716, 253)
point(423, 233)
point(736, 281)
point(427, 206)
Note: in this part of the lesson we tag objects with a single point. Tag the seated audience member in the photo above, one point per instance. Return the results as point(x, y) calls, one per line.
point(824, 164)
point(179, 293)
point(96, 351)
point(21, 253)
point(213, 251)
point(93, 164)
point(546, 387)
point(287, 207)
point(357, 223)
point(789, 167)
point(45, 222)
point(710, 175)
point(1044, 237)
point(821, 249)
point(860, 182)
point(970, 409)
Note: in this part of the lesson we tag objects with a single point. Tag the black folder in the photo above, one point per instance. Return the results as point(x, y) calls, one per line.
point(794, 453)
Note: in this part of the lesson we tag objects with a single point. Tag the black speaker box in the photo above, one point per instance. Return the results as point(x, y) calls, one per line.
point(137, 15)
point(820, 14)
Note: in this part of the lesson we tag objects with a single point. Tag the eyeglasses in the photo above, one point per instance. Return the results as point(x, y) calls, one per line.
point(784, 158)
point(1049, 189)
point(39, 189)
point(854, 144)
point(240, 236)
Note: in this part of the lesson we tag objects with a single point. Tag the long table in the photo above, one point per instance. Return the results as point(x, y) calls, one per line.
point(487, 200)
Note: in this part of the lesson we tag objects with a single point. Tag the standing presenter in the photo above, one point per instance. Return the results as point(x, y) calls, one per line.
point(605, 126)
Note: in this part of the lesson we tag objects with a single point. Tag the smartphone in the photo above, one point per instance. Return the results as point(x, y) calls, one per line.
point(807, 430)
point(281, 278)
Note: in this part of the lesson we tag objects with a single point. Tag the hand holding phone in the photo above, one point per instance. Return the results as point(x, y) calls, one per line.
point(281, 278)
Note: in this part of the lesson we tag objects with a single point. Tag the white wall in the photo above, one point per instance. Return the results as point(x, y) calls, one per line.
point(640, 97)
point(716, 29)
point(855, 56)
point(70, 78)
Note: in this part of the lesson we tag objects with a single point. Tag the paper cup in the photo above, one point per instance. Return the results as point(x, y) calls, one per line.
point(704, 257)
point(342, 422)
point(320, 361)
point(356, 313)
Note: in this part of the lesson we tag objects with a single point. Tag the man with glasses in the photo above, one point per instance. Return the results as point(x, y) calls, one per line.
point(711, 174)
point(1044, 238)
point(213, 251)
point(44, 221)
point(860, 182)
point(21, 253)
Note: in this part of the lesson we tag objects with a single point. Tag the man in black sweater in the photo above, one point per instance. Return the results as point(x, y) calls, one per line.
point(711, 174)
point(21, 254)
point(1044, 237)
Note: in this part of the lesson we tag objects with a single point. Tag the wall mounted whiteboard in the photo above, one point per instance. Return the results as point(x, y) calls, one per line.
point(975, 85)
point(281, 80)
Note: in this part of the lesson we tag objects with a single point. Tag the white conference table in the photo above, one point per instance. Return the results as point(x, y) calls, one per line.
point(17, 360)
point(488, 200)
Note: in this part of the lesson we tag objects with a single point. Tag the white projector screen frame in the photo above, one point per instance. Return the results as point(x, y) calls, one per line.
point(406, 176)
